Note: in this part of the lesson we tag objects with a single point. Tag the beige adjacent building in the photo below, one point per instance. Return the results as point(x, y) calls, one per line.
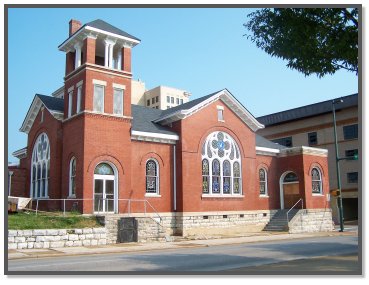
point(312, 125)
point(161, 97)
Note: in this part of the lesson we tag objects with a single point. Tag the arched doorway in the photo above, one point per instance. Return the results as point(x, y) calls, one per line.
point(105, 188)
point(289, 189)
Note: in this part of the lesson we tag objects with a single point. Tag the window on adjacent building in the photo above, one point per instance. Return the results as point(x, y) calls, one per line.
point(156, 99)
point(263, 185)
point(181, 101)
point(118, 101)
point(172, 100)
point(168, 99)
point(152, 100)
point(72, 177)
point(40, 167)
point(79, 99)
point(99, 98)
point(316, 180)
point(350, 132)
point(177, 101)
point(152, 177)
point(351, 152)
point(148, 102)
point(221, 165)
point(352, 177)
point(70, 103)
point(287, 141)
point(313, 138)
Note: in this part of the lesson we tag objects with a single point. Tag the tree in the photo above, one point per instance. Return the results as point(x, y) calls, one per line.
point(312, 40)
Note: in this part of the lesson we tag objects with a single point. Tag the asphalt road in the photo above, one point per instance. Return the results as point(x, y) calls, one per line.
point(236, 259)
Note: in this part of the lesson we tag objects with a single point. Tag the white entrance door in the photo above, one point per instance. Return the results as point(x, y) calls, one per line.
point(104, 189)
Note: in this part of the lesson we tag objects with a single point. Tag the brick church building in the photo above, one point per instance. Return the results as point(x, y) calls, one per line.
point(202, 160)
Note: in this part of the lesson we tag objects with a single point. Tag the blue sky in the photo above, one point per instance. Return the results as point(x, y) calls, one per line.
point(199, 50)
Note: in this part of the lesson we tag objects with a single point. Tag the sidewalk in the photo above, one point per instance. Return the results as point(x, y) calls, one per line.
point(183, 243)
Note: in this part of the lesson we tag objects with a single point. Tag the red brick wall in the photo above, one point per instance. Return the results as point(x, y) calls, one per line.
point(193, 132)
point(19, 181)
point(53, 128)
point(163, 154)
point(106, 139)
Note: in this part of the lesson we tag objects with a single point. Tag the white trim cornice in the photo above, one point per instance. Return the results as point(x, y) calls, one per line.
point(154, 137)
point(21, 153)
point(303, 150)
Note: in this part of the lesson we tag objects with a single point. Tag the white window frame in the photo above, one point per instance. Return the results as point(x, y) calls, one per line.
point(233, 143)
point(71, 194)
point(103, 98)
point(122, 94)
point(157, 193)
point(39, 164)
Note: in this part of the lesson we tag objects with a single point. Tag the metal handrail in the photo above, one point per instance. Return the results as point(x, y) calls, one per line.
point(302, 206)
point(104, 199)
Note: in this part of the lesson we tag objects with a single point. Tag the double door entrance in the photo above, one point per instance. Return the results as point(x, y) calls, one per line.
point(104, 189)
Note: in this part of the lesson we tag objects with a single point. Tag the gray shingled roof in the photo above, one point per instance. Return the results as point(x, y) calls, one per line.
point(102, 25)
point(52, 103)
point(263, 142)
point(308, 111)
point(186, 106)
point(143, 118)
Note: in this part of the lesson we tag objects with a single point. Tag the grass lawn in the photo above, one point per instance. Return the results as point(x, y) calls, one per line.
point(29, 220)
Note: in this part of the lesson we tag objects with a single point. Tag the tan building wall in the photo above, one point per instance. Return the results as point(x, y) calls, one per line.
point(323, 126)
point(157, 97)
point(138, 91)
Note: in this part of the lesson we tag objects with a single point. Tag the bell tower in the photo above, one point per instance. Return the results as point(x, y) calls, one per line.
point(97, 104)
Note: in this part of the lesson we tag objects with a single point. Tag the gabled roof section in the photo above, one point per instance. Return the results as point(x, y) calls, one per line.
point(54, 105)
point(183, 111)
point(99, 27)
point(308, 111)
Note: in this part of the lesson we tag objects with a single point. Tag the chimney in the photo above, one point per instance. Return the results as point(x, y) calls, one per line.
point(74, 25)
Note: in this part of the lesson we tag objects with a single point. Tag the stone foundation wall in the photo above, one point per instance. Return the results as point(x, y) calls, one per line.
point(315, 220)
point(191, 224)
point(148, 229)
point(22, 239)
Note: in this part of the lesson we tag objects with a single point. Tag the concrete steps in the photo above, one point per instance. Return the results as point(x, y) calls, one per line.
point(278, 222)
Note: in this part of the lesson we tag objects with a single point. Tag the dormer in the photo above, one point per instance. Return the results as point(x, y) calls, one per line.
point(100, 44)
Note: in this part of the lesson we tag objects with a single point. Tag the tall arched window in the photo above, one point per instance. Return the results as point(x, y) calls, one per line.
point(263, 182)
point(40, 167)
point(72, 177)
point(316, 180)
point(221, 165)
point(152, 177)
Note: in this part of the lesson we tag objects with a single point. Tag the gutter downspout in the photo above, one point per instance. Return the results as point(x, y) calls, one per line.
point(174, 179)
point(10, 182)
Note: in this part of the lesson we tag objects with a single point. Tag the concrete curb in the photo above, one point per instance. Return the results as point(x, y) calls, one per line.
point(154, 246)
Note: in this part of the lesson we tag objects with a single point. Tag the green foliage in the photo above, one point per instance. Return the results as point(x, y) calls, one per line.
point(313, 40)
point(29, 220)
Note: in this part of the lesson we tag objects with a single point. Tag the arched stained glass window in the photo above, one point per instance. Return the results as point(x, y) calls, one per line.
point(152, 177)
point(221, 154)
point(316, 179)
point(263, 184)
point(40, 165)
point(104, 169)
point(72, 177)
